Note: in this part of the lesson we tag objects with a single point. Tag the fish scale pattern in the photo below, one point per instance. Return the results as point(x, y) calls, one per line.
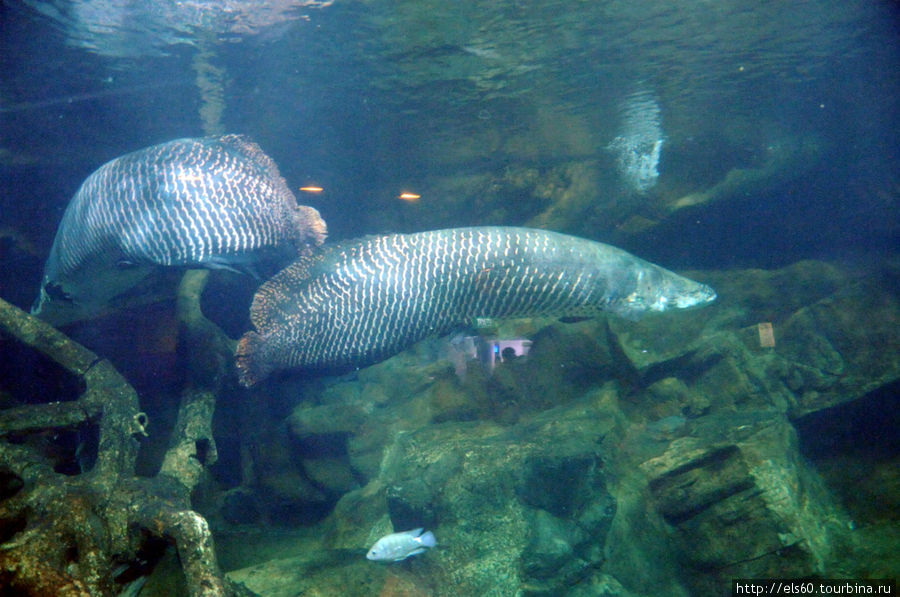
point(363, 301)
point(186, 202)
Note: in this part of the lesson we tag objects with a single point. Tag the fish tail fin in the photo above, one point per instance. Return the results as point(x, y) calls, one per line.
point(249, 359)
point(427, 539)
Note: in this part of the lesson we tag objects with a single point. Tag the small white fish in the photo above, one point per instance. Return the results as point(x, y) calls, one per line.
point(399, 546)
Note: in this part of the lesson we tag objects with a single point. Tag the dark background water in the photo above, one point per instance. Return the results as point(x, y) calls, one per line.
point(365, 100)
point(784, 115)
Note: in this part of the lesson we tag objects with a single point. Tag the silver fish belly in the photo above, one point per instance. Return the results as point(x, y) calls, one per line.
point(215, 202)
point(362, 301)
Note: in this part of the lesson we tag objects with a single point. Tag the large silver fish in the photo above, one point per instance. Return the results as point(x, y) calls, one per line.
point(215, 202)
point(362, 301)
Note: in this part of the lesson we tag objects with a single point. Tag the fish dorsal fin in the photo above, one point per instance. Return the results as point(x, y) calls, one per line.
point(248, 149)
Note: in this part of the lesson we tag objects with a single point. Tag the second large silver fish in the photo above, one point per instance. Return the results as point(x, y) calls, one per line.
point(362, 301)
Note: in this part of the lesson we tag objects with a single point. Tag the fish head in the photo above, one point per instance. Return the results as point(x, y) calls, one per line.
point(377, 553)
point(59, 304)
point(89, 292)
point(651, 288)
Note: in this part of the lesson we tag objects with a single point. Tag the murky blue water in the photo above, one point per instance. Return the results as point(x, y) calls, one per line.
point(702, 135)
point(356, 97)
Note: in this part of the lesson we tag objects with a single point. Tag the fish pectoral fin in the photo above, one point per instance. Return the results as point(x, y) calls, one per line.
point(413, 553)
point(230, 264)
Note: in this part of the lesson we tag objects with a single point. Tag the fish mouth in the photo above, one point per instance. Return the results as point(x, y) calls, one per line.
point(700, 296)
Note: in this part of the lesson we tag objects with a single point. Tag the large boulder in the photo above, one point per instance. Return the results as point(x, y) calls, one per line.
point(741, 501)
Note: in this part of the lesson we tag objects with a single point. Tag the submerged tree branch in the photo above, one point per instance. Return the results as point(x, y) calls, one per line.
point(73, 534)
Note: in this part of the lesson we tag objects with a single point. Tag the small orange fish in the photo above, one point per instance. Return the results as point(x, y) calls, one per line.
point(409, 196)
point(312, 189)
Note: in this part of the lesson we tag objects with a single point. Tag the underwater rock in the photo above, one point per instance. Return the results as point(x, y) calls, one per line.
point(336, 573)
point(571, 476)
point(357, 417)
point(670, 398)
point(350, 526)
point(550, 547)
point(831, 342)
point(600, 585)
point(564, 360)
point(479, 486)
point(858, 456)
point(332, 474)
point(843, 346)
point(742, 502)
point(240, 506)
point(402, 393)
